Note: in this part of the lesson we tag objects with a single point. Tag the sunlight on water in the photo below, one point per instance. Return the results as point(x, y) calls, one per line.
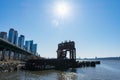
point(70, 76)
point(110, 68)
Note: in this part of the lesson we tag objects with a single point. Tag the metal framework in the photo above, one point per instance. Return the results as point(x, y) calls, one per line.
point(7, 46)
point(65, 47)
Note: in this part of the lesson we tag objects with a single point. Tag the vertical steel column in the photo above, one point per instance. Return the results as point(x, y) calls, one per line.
point(18, 56)
point(14, 56)
point(0, 54)
point(75, 54)
point(3, 54)
point(9, 54)
point(70, 54)
point(21, 56)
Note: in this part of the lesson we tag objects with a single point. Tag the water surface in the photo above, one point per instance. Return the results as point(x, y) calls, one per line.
point(107, 70)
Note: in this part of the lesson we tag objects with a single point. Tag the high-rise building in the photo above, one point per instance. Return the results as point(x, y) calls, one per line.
point(35, 49)
point(3, 35)
point(11, 35)
point(15, 37)
point(27, 45)
point(21, 41)
point(31, 45)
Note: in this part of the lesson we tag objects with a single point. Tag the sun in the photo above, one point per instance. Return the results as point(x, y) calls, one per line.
point(62, 9)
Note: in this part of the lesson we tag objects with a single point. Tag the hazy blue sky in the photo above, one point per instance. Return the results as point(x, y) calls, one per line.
point(93, 24)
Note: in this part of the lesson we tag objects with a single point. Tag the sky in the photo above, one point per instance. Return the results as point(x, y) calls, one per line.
point(94, 25)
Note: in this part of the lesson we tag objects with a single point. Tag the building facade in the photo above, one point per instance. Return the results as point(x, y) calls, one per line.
point(21, 41)
point(11, 35)
point(15, 37)
point(31, 45)
point(35, 49)
point(3, 35)
point(27, 45)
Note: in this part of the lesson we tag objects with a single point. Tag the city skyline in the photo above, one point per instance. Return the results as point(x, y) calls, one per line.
point(19, 41)
point(93, 25)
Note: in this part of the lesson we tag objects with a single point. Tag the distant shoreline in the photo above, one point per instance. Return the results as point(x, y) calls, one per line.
point(103, 58)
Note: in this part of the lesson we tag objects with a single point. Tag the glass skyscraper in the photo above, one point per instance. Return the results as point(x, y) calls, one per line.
point(21, 41)
point(31, 45)
point(35, 49)
point(11, 35)
point(15, 37)
point(3, 35)
point(27, 45)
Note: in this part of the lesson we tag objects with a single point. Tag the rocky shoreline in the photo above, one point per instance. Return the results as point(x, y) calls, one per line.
point(8, 66)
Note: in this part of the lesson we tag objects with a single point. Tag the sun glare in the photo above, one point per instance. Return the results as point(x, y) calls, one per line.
point(62, 9)
point(61, 12)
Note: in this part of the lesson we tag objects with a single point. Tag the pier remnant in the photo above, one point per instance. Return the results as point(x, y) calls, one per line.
point(61, 62)
point(65, 47)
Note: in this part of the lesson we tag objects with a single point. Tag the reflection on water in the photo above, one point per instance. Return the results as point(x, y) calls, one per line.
point(108, 70)
point(50, 75)
point(40, 75)
point(67, 76)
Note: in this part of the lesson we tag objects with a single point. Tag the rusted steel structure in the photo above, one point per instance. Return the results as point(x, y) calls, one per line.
point(61, 62)
point(65, 47)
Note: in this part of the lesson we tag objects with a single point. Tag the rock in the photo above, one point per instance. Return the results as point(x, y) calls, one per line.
point(8, 66)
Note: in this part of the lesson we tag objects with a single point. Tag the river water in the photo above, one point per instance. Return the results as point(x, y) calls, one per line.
point(107, 70)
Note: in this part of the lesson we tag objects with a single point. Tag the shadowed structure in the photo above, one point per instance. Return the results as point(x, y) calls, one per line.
point(65, 47)
point(61, 62)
